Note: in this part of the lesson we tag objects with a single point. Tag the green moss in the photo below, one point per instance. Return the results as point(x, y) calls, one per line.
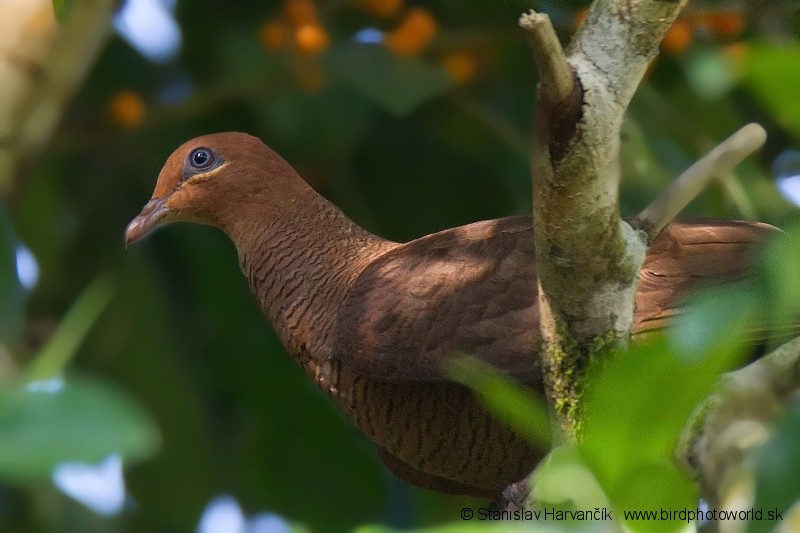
point(566, 375)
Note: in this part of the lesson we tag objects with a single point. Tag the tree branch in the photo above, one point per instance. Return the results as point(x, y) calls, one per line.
point(588, 259)
point(736, 420)
point(697, 177)
point(555, 74)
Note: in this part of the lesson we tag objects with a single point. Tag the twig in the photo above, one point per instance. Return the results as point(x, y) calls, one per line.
point(683, 190)
point(735, 420)
point(555, 73)
point(680, 126)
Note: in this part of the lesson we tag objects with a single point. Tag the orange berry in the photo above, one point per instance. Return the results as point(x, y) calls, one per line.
point(272, 35)
point(678, 37)
point(413, 34)
point(382, 8)
point(299, 12)
point(727, 24)
point(580, 17)
point(311, 38)
point(460, 66)
point(126, 109)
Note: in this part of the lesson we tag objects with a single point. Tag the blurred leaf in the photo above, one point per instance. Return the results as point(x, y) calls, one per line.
point(78, 419)
point(508, 400)
point(772, 73)
point(12, 295)
point(400, 84)
point(563, 477)
point(636, 407)
point(655, 486)
point(715, 323)
point(61, 8)
point(776, 466)
point(64, 343)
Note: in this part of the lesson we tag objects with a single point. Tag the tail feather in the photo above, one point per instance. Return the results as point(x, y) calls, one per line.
point(687, 253)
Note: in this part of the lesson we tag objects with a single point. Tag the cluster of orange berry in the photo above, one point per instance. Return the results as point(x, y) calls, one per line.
point(415, 30)
point(298, 26)
point(298, 29)
point(727, 25)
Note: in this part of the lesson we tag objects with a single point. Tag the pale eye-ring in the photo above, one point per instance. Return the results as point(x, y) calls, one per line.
point(202, 158)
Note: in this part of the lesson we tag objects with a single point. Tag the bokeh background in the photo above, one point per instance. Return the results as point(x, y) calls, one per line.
point(142, 390)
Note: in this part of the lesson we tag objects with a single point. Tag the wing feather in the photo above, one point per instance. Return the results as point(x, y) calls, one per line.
point(473, 290)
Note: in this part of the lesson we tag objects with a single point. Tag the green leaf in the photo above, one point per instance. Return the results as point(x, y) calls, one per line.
point(399, 84)
point(564, 477)
point(656, 486)
point(772, 74)
point(636, 408)
point(79, 419)
point(62, 9)
point(509, 400)
point(64, 343)
point(776, 465)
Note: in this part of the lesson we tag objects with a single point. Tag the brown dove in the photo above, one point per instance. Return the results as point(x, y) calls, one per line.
point(370, 320)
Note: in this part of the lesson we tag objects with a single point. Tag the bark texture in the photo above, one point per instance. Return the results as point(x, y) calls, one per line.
point(589, 256)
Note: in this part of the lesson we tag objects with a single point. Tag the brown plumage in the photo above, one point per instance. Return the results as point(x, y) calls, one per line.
point(370, 320)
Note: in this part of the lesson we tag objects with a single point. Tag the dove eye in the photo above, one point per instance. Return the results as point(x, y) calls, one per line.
point(202, 158)
point(200, 161)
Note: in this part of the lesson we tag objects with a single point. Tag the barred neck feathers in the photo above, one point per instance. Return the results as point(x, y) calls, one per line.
point(300, 266)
